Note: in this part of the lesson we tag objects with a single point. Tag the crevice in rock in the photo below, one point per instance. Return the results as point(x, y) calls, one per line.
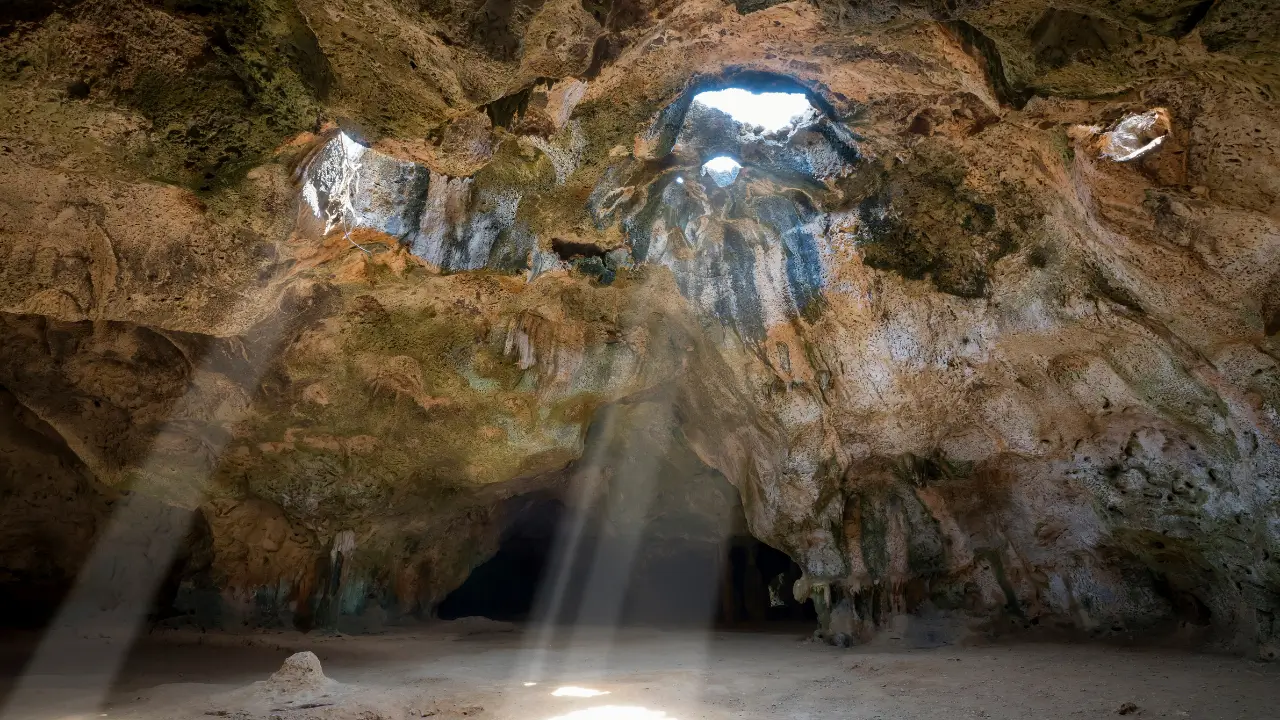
point(749, 6)
point(1061, 37)
point(506, 110)
point(987, 50)
point(17, 12)
point(1271, 322)
point(757, 587)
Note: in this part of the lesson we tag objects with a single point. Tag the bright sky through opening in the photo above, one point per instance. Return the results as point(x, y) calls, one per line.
point(770, 110)
point(723, 170)
point(722, 164)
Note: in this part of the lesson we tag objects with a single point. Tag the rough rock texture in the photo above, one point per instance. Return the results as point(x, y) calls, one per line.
point(336, 280)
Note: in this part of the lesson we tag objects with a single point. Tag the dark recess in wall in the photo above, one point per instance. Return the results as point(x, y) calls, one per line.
point(985, 48)
point(659, 581)
point(568, 250)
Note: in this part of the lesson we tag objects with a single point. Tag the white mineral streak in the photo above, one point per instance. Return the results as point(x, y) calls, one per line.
point(565, 150)
point(1134, 137)
point(344, 542)
point(563, 98)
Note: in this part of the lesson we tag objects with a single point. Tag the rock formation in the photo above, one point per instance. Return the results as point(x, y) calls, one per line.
point(323, 287)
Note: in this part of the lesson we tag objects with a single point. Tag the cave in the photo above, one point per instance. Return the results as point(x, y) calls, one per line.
point(640, 359)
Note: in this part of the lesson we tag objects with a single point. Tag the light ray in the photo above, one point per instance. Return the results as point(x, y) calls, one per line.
point(105, 611)
point(106, 608)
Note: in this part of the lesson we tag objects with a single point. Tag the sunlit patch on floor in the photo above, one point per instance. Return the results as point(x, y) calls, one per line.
point(769, 110)
point(575, 691)
point(615, 712)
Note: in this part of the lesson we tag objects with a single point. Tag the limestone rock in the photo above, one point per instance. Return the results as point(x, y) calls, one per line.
point(988, 341)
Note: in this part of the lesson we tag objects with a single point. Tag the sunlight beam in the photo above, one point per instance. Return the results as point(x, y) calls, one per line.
point(106, 609)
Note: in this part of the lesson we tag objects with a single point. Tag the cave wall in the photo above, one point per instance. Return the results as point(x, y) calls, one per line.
point(951, 356)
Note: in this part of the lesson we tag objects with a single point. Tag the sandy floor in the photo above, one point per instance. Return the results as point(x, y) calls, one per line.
point(480, 671)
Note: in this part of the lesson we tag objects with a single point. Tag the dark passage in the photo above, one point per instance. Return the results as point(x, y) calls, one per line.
point(501, 589)
point(756, 587)
point(506, 586)
point(611, 579)
point(661, 581)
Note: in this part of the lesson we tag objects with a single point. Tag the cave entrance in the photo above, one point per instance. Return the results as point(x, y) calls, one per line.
point(505, 587)
point(641, 578)
point(649, 536)
point(669, 583)
point(756, 587)
point(739, 582)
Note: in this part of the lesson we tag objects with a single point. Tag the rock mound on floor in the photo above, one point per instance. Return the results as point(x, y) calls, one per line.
point(299, 690)
point(299, 683)
point(301, 672)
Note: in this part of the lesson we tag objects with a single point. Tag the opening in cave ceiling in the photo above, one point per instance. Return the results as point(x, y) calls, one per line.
point(722, 169)
point(736, 209)
point(768, 111)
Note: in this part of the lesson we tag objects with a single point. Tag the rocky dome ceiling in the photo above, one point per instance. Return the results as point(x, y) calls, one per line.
point(303, 298)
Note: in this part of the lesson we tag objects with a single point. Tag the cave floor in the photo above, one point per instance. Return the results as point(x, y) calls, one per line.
point(479, 670)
